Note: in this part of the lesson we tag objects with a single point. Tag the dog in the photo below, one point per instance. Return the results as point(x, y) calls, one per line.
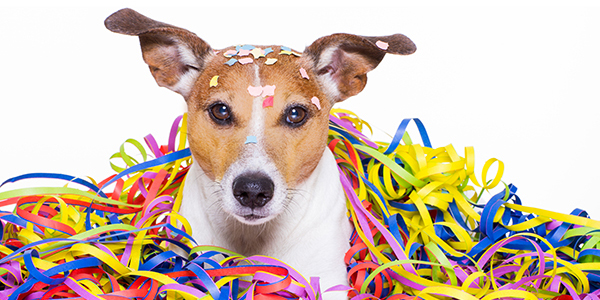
point(263, 180)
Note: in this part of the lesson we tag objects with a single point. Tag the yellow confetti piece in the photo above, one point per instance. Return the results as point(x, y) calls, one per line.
point(214, 81)
point(286, 52)
point(257, 52)
point(270, 61)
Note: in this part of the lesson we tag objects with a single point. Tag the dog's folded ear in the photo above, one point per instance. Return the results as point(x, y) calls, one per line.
point(342, 60)
point(175, 56)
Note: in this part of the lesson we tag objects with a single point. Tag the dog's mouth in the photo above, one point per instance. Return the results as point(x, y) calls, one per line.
point(253, 217)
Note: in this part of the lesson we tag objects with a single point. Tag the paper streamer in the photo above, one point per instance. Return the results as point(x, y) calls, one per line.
point(421, 232)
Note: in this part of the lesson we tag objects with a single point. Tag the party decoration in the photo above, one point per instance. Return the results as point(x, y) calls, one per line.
point(422, 230)
point(214, 81)
point(231, 62)
point(268, 102)
point(316, 102)
point(303, 73)
point(268, 90)
point(251, 139)
point(255, 91)
point(382, 45)
point(245, 60)
point(270, 61)
point(257, 53)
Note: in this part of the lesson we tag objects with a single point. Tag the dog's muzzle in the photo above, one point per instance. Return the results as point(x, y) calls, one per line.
point(253, 190)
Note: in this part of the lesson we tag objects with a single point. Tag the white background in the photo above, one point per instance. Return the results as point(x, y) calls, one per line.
point(519, 81)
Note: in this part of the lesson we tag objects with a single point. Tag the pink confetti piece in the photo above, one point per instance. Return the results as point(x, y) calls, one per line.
point(246, 60)
point(270, 61)
point(243, 52)
point(255, 91)
point(268, 90)
point(316, 102)
point(303, 73)
point(230, 53)
point(382, 45)
point(268, 102)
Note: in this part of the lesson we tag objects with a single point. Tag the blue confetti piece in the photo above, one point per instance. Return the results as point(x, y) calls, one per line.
point(284, 48)
point(231, 62)
point(247, 47)
point(251, 139)
point(268, 50)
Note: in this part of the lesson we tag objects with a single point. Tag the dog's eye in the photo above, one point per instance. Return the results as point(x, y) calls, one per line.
point(220, 113)
point(296, 116)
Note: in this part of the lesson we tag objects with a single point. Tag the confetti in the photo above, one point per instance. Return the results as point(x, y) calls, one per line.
point(214, 81)
point(316, 102)
point(255, 90)
point(270, 61)
point(247, 47)
point(246, 60)
point(231, 62)
point(268, 50)
point(243, 52)
point(382, 45)
point(285, 50)
point(303, 73)
point(230, 53)
point(251, 139)
point(257, 52)
point(268, 90)
point(216, 51)
point(268, 102)
point(296, 54)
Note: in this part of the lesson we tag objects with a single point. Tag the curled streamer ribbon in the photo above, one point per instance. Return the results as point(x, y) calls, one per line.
point(421, 232)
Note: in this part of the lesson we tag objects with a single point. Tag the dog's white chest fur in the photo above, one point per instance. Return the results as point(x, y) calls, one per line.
point(311, 234)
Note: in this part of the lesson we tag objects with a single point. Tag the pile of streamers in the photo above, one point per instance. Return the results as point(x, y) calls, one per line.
point(420, 232)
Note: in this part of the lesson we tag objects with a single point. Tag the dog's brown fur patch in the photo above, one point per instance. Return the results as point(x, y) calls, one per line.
point(295, 151)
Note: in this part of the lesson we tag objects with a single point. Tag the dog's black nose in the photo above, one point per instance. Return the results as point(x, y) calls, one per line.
point(253, 190)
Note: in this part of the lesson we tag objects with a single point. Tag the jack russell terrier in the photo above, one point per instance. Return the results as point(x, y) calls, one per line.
point(263, 180)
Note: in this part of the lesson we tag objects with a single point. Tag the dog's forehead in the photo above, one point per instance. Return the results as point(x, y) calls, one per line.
point(256, 70)
point(245, 55)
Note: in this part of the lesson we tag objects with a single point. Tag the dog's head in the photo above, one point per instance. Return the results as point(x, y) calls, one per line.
point(257, 115)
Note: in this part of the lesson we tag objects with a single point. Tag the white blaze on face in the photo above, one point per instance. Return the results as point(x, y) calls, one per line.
point(257, 120)
point(254, 159)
